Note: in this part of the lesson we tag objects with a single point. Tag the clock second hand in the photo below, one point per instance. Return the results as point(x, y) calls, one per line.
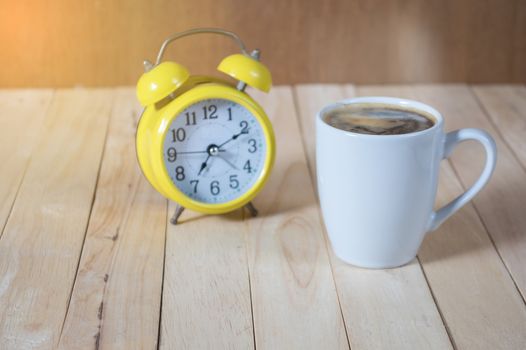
point(228, 162)
point(195, 152)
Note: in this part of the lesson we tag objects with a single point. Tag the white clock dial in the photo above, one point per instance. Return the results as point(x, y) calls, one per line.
point(214, 151)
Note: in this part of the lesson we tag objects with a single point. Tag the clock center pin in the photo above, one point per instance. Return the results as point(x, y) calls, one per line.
point(213, 150)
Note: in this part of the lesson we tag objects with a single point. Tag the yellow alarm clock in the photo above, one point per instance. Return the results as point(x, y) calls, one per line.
point(203, 142)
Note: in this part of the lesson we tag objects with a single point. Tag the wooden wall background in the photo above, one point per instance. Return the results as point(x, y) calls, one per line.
point(103, 42)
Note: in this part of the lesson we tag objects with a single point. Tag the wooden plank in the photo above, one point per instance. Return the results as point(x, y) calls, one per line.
point(21, 116)
point(501, 203)
point(206, 294)
point(471, 286)
point(489, 58)
point(116, 299)
point(41, 244)
point(366, 41)
point(293, 293)
point(506, 107)
point(382, 308)
point(309, 100)
point(519, 45)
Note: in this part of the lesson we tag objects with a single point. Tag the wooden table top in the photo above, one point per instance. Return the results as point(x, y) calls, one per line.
point(88, 258)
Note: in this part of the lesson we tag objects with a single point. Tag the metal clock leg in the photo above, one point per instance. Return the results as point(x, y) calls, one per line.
point(178, 211)
point(252, 209)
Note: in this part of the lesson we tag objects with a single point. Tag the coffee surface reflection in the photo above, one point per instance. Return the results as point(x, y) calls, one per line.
point(375, 119)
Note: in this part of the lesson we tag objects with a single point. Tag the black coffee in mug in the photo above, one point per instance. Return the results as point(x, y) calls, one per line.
point(378, 119)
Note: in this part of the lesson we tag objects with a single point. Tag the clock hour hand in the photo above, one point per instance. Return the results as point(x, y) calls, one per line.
point(235, 136)
point(203, 165)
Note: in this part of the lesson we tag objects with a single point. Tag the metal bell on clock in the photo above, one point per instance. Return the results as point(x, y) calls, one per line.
point(160, 81)
point(248, 70)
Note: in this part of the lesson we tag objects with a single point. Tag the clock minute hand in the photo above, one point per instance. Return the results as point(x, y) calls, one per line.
point(235, 136)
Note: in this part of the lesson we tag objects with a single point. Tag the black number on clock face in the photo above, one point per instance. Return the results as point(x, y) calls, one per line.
point(190, 118)
point(214, 188)
point(210, 112)
point(215, 151)
point(247, 166)
point(194, 183)
point(171, 154)
point(252, 148)
point(179, 173)
point(178, 135)
point(233, 181)
point(244, 125)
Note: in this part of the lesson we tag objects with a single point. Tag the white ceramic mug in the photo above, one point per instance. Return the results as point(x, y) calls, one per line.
point(377, 191)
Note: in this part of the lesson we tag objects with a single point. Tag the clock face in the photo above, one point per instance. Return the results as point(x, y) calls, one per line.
point(214, 151)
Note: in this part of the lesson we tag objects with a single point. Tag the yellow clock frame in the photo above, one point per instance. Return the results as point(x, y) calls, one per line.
point(166, 89)
point(155, 123)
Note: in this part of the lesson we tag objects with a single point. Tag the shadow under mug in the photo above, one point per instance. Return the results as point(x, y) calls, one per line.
point(377, 191)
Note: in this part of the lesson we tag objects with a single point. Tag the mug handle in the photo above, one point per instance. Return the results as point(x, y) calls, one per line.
point(452, 139)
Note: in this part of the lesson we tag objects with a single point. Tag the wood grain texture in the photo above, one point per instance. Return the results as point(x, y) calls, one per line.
point(506, 107)
point(399, 299)
point(115, 303)
point(294, 299)
point(206, 293)
point(62, 43)
point(459, 260)
point(42, 241)
point(519, 56)
point(21, 116)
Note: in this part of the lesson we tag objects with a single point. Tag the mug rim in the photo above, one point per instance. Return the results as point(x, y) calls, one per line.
point(395, 101)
